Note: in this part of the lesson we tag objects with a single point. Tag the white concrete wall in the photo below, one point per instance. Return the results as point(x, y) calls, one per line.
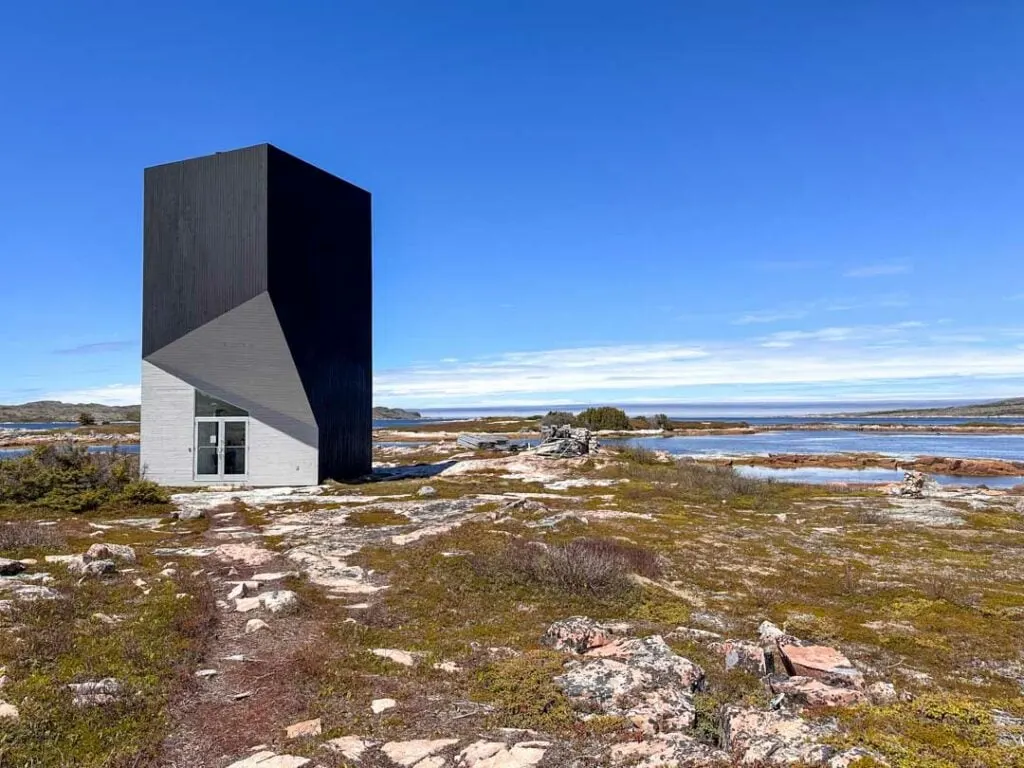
point(278, 459)
point(168, 410)
point(167, 434)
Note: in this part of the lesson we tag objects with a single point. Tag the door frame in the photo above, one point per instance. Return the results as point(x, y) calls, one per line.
point(220, 476)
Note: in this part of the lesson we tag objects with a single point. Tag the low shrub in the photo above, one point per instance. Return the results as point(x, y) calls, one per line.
point(640, 455)
point(597, 567)
point(604, 417)
point(68, 478)
point(558, 419)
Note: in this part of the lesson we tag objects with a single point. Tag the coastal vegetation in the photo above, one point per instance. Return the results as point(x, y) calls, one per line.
point(43, 411)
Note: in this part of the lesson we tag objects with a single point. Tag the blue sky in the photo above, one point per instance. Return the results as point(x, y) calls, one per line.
point(573, 201)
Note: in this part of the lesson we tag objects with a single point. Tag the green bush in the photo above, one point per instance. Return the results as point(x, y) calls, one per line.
point(86, 419)
point(604, 417)
point(66, 477)
point(557, 419)
point(661, 421)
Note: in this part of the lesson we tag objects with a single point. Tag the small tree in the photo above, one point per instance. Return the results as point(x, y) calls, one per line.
point(557, 419)
point(604, 417)
point(86, 419)
point(661, 421)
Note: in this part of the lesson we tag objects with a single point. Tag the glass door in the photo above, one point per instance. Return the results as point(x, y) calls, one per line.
point(221, 448)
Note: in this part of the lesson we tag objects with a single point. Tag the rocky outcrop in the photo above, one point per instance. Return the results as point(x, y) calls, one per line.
point(755, 737)
point(577, 634)
point(821, 663)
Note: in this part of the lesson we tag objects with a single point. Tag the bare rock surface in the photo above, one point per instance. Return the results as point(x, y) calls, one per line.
point(305, 729)
point(755, 737)
point(268, 759)
point(814, 693)
point(350, 747)
point(409, 753)
point(821, 662)
point(8, 712)
point(496, 754)
point(667, 750)
point(95, 692)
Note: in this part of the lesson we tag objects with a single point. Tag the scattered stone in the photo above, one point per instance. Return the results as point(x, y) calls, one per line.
point(882, 693)
point(814, 693)
point(94, 568)
point(382, 705)
point(8, 712)
point(279, 601)
point(188, 514)
point(915, 484)
point(255, 625)
point(852, 756)
point(237, 592)
point(405, 658)
point(409, 753)
point(578, 634)
point(105, 619)
point(207, 673)
point(95, 692)
point(495, 754)
point(169, 573)
point(109, 552)
point(822, 663)
point(448, 666)
point(667, 750)
point(741, 654)
point(304, 729)
point(427, 490)
point(267, 759)
point(246, 604)
point(350, 747)
point(10, 567)
point(754, 737)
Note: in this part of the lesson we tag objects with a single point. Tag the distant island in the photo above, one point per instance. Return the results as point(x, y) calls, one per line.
point(1012, 407)
point(54, 410)
point(382, 413)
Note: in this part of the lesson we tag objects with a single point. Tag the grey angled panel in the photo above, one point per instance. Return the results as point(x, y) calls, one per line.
point(243, 357)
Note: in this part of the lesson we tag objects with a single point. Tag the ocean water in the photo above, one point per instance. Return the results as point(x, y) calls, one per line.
point(896, 444)
point(830, 476)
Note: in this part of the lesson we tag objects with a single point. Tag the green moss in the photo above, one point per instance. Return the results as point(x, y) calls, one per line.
point(523, 694)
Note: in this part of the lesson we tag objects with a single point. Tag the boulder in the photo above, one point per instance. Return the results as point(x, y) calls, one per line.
point(98, 568)
point(281, 600)
point(755, 737)
point(95, 692)
point(822, 663)
point(110, 552)
point(427, 490)
point(10, 567)
point(882, 693)
point(814, 693)
point(255, 625)
point(740, 654)
point(578, 634)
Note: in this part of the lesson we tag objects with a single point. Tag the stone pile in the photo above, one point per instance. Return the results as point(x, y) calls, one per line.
point(645, 682)
point(564, 442)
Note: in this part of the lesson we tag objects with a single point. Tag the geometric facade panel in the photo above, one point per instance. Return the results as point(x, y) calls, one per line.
point(242, 358)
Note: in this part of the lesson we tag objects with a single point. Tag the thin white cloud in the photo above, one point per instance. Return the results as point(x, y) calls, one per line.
point(111, 394)
point(833, 357)
point(769, 316)
point(877, 270)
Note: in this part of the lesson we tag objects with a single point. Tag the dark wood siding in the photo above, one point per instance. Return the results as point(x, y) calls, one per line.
point(204, 240)
point(320, 282)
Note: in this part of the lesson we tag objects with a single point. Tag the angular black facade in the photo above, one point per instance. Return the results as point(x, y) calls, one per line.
point(241, 247)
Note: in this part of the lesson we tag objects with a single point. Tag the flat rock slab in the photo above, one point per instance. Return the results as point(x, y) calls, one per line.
point(409, 753)
point(382, 705)
point(405, 658)
point(350, 747)
point(304, 729)
point(496, 754)
point(266, 759)
point(667, 750)
point(822, 663)
point(814, 693)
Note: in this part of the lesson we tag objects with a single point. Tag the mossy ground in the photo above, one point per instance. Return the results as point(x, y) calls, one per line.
point(936, 609)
